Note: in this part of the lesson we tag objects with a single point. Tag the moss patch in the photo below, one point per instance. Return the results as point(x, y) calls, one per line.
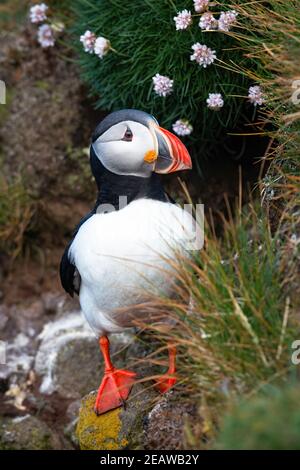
point(99, 432)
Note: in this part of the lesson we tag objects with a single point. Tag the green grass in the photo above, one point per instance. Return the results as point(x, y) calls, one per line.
point(269, 421)
point(145, 42)
point(12, 13)
point(233, 338)
point(16, 214)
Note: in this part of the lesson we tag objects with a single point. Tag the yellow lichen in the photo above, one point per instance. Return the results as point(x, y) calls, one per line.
point(99, 432)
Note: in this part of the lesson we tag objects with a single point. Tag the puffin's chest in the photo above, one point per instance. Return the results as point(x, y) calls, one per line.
point(126, 248)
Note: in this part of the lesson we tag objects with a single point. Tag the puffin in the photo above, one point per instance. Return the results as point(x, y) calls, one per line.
point(122, 251)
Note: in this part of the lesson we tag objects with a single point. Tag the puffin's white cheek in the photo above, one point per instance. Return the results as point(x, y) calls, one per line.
point(120, 157)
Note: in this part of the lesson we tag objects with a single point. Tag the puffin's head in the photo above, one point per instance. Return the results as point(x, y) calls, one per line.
point(130, 142)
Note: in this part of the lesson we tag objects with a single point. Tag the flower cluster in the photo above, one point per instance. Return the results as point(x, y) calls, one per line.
point(256, 96)
point(183, 20)
point(102, 47)
point(224, 23)
point(88, 40)
point(46, 36)
point(208, 21)
point(37, 13)
point(182, 127)
point(227, 20)
point(163, 86)
point(215, 101)
point(95, 45)
point(203, 55)
point(46, 32)
point(201, 5)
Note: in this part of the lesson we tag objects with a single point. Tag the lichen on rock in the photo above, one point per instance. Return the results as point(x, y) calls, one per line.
point(117, 429)
point(99, 432)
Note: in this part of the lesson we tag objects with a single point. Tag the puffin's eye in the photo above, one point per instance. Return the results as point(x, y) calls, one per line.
point(128, 135)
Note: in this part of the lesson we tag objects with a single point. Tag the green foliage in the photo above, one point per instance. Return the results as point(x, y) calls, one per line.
point(145, 42)
point(12, 12)
point(270, 421)
point(231, 338)
point(16, 213)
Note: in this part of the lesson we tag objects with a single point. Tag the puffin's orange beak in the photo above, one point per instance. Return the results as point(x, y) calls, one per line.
point(172, 153)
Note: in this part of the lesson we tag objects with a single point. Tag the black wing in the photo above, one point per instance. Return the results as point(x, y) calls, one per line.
point(67, 270)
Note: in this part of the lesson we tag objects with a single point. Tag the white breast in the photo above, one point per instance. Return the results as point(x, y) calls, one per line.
point(121, 254)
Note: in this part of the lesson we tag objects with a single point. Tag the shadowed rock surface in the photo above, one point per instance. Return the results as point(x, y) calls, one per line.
point(27, 433)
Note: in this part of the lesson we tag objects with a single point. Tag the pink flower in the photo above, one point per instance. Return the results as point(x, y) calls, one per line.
point(201, 5)
point(256, 96)
point(227, 20)
point(183, 19)
point(163, 86)
point(101, 47)
point(182, 127)
point(203, 55)
point(88, 40)
point(46, 36)
point(208, 22)
point(38, 13)
point(215, 101)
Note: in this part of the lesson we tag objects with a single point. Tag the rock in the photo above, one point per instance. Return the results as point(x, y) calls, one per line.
point(69, 360)
point(27, 433)
point(3, 317)
point(19, 359)
point(136, 355)
point(30, 319)
point(73, 410)
point(118, 429)
point(72, 415)
point(41, 83)
point(53, 302)
point(35, 310)
point(164, 426)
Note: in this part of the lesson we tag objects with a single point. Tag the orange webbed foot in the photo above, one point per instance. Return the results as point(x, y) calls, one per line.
point(168, 380)
point(114, 390)
point(165, 383)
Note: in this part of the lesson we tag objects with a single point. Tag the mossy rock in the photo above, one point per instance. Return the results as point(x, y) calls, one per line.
point(27, 433)
point(118, 429)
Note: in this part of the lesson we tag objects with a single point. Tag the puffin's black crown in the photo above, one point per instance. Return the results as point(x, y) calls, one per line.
point(119, 116)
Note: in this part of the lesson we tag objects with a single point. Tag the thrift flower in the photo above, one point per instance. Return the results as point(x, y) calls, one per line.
point(215, 101)
point(46, 36)
point(201, 5)
point(203, 55)
point(101, 47)
point(183, 19)
point(255, 95)
point(163, 86)
point(88, 40)
point(182, 127)
point(38, 13)
point(227, 20)
point(208, 22)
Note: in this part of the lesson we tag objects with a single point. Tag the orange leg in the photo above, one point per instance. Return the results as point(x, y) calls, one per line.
point(168, 380)
point(116, 383)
